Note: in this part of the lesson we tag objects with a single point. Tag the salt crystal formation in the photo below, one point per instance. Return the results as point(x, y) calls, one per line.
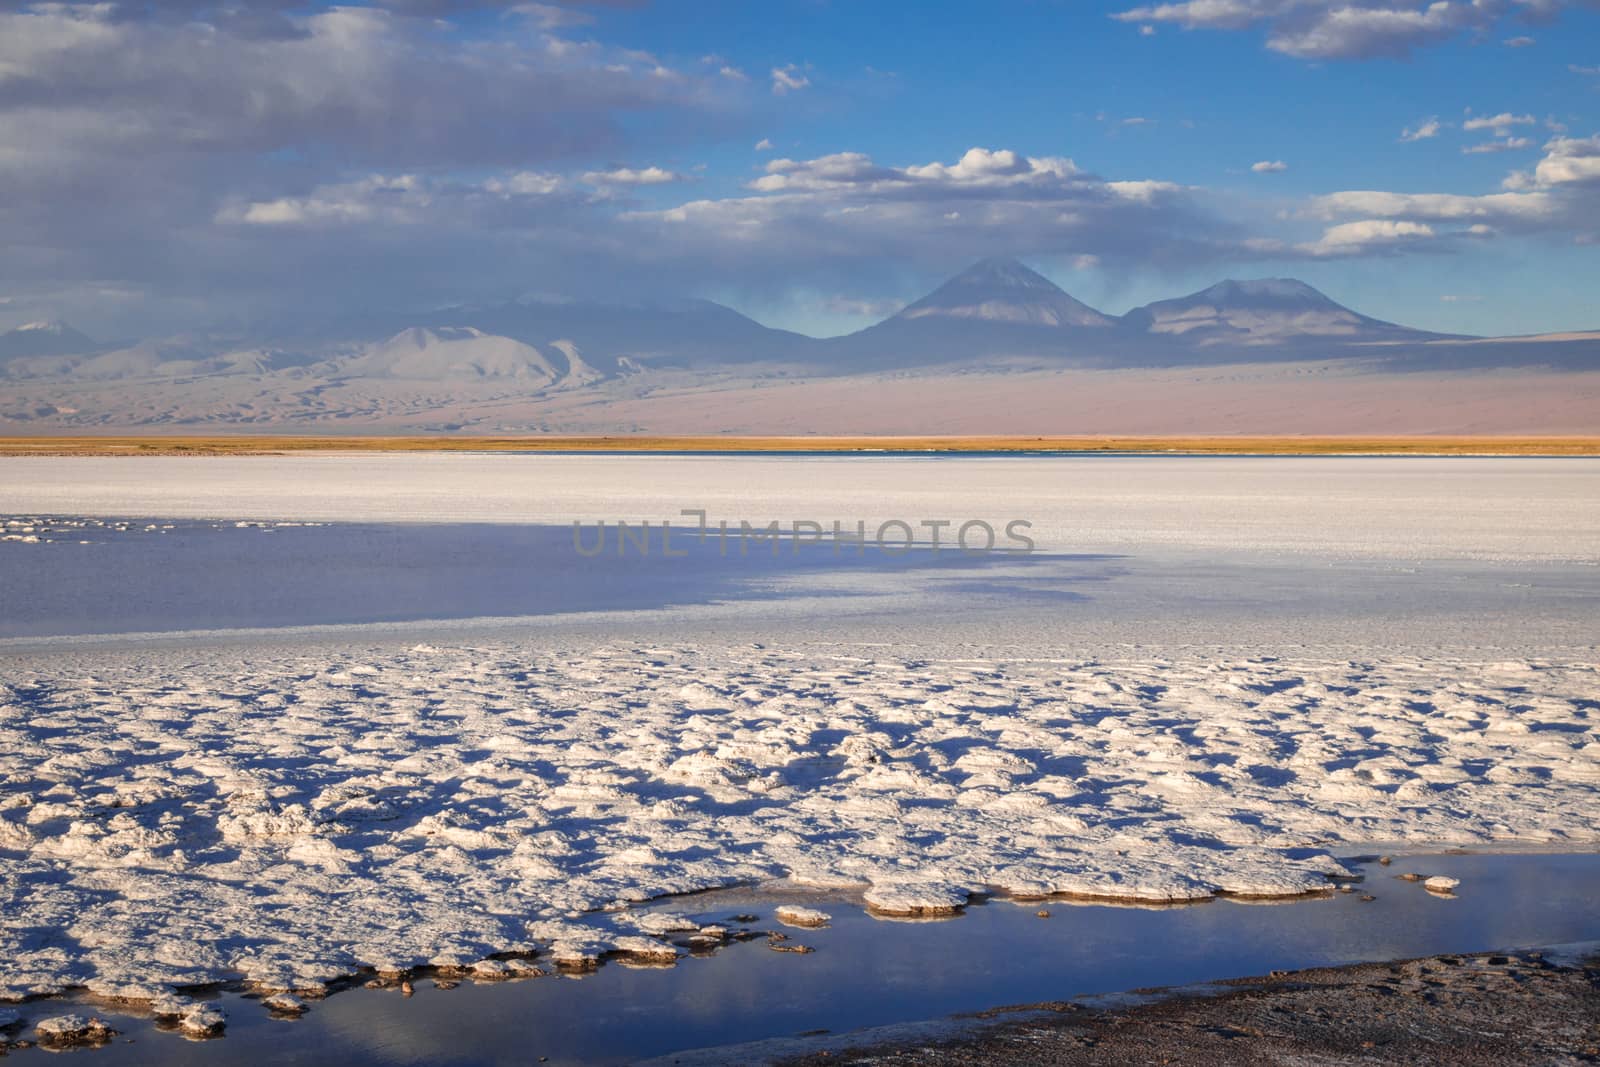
point(173, 818)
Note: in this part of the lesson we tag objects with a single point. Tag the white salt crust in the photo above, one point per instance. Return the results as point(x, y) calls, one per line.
point(271, 816)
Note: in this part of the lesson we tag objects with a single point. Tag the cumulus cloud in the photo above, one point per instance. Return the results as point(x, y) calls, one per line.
point(1422, 131)
point(361, 83)
point(1498, 123)
point(1349, 32)
point(1528, 207)
point(1367, 236)
point(630, 176)
point(1568, 161)
point(371, 153)
point(1269, 166)
point(552, 16)
point(814, 218)
point(1559, 196)
point(977, 168)
point(789, 79)
point(1488, 147)
point(1346, 29)
point(127, 131)
point(400, 200)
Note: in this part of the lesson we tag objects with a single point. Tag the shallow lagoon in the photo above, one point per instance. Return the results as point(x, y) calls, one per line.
point(867, 972)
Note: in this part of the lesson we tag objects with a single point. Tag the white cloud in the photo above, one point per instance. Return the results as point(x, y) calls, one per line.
point(1569, 161)
point(1560, 196)
point(1347, 29)
point(523, 183)
point(1498, 123)
point(552, 16)
point(372, 85)
point(390, 200)
point(1488, 147)
point(1192, 14)
point(1269, 166)
point(1519, 42)
point(1368, 235)
point(789, 79)
point(200, 147)
point(1361, 32)
point(629, 176)
point(1460, 298)
point(977, 168)
point(1436, 207)
point(825, 214)
point(1422, 130)
point(764, 145)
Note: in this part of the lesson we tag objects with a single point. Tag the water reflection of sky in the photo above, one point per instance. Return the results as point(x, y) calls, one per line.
point(206, 576)
point(203, 576)
point(869, 973)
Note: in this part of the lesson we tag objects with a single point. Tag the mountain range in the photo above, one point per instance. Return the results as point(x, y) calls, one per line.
point(550, 361)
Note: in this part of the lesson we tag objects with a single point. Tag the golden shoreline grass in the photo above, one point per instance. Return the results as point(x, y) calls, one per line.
point(1281, 445)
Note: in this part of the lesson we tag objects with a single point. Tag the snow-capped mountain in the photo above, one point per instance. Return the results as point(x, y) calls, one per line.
point(1004, 291)
point(1266, 311)
point(43, 339)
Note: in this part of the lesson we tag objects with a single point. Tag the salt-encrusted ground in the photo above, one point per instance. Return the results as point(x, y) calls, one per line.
point(1215, 672)
point(184, 817)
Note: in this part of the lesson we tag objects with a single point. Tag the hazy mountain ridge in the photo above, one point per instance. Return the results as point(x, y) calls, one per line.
point(996, 317)
point(1262, 312)
point(33, 339)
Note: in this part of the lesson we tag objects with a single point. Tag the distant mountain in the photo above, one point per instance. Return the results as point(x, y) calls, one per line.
point(995, 311)
point(43, 339)
point(1004, 291)
point(615, 337)
point(451, 353)
point(1267, 311)
point(180, 356)
point(541, 364)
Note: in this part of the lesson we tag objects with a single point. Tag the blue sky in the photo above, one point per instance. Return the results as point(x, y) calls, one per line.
point(190, 164)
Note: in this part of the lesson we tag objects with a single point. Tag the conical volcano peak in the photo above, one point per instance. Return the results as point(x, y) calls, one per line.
point(1258, 291)
point(1004, 290)
point(1262, 311)
point(1004, 271)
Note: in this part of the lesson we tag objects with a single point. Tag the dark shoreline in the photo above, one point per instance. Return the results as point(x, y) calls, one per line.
point(924, 991)
point(1484, 1008)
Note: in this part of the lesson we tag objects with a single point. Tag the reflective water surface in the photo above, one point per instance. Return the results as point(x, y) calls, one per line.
point(869, 972)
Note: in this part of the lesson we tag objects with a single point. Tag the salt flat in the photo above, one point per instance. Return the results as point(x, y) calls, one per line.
point(173, 820)
point(1390, 507)
point(288, 809)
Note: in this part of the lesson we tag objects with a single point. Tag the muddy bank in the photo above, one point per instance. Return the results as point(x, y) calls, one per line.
point(1479, 1009)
